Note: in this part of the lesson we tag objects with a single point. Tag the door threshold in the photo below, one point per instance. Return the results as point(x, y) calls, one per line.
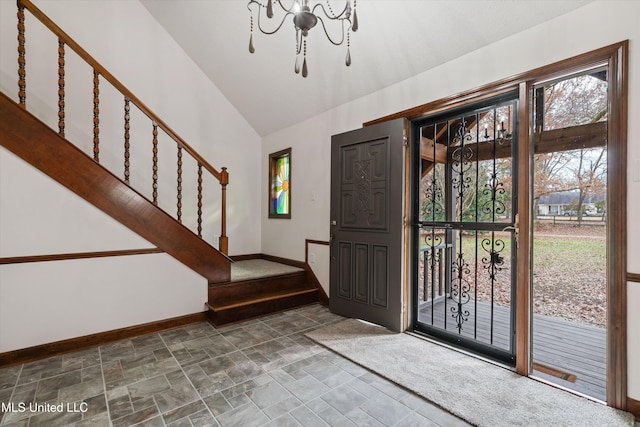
point(553, 384)
point(461, 350)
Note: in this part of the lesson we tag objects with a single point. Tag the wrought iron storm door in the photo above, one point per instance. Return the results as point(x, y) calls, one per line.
point(465, 221)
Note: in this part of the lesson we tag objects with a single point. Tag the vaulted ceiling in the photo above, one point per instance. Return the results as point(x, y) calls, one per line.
point(397, 39)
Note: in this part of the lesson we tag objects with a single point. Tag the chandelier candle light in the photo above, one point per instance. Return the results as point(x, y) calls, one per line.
point(304, 19)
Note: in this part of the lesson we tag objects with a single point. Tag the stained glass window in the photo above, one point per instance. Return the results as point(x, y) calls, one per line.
point(280, 184)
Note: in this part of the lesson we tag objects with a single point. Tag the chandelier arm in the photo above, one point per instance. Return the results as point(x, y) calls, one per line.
point(290, 10)
point(327, 33)
point(260, 26)
point(334, 17)
point(277, 28)
point(279, 2)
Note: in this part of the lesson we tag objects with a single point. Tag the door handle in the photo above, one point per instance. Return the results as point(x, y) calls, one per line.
point(333, 223)
point(515, 228)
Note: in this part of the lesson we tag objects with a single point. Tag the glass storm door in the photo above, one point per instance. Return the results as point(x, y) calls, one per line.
point(464, 251)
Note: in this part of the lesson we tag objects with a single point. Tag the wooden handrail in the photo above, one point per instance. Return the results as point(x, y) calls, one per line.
point(77, 255)
point(64, 39)
point(37, 13)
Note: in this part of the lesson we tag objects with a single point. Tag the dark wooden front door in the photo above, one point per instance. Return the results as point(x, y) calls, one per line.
point(367, 185)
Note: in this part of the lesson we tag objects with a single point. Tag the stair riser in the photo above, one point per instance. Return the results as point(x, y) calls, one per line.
point(256, 287)
point(237, 314)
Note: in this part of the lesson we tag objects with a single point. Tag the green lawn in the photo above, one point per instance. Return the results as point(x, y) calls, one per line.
point(569, 274)
point(570, 255)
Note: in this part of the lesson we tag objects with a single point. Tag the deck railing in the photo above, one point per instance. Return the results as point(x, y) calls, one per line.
point(433, 260)
point(99, 74)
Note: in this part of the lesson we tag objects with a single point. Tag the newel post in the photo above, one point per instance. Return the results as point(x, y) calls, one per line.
point(224, 240)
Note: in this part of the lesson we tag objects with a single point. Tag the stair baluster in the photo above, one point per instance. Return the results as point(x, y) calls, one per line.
point(179, 204)
point(127, 145)
point(155, 164)
point(61, 88)
point(199, 200)
point(96, 116)
point(22, 72)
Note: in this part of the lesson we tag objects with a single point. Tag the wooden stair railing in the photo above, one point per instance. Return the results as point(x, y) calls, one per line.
point(99, 72)
point(27, 137)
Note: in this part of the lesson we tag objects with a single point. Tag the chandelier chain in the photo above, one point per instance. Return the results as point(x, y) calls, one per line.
point(331, 10)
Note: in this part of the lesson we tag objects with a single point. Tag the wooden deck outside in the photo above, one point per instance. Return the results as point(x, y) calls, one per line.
point(569, 347)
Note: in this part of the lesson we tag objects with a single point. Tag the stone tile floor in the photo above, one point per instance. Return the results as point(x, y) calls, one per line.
point(259, 372)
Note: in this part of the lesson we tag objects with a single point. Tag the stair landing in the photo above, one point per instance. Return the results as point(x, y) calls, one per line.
point(259, 287)
point(259, 268)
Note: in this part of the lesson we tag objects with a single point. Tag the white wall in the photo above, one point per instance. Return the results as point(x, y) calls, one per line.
point(38, 217)
point(45, 302)
point(596, 25)
point(127, 40)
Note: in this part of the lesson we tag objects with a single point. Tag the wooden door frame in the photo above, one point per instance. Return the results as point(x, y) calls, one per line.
point(615, 56)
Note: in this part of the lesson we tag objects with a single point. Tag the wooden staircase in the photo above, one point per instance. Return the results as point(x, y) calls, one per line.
point(245, 299)
point(33, 141)
point(28, 137)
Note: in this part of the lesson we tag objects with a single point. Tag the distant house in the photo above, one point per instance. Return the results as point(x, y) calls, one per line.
point(565, 203)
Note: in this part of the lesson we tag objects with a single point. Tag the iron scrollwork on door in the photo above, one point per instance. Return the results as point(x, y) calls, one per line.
point(460, 287)
point(494, 262)
point(494, 188)
point(461, 157)
point(462, 162)
point(433, 196)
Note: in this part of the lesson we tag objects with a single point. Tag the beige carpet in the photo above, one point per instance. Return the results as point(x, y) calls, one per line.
point(257, 268)
point(477, 391)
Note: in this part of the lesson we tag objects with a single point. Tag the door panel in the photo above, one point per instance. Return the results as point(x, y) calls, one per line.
point(361, 272)
point(364, 184)
point(367, 190)
point(380, 279)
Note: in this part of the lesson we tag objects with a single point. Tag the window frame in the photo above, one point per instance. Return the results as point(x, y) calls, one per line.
point(272, 191)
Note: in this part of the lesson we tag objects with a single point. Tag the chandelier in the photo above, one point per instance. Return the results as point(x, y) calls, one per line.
point(304, 19)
